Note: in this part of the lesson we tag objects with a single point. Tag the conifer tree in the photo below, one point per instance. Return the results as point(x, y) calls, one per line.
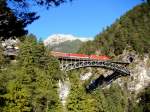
point(78, 100)
point(31, 84)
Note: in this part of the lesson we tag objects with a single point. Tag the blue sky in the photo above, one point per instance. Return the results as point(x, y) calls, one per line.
point(84, 18)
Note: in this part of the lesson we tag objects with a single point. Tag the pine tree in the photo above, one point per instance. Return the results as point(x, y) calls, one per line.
point(78, 100)
point(31, 84)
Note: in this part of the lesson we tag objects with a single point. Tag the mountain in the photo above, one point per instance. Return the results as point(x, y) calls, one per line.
point(65, 43)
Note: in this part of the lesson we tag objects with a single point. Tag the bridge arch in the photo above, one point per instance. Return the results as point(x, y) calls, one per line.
point(90, 63)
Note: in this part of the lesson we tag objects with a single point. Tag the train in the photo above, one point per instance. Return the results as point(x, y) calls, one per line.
point(79, 56)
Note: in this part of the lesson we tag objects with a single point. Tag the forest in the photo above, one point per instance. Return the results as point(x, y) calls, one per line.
point(30, 82)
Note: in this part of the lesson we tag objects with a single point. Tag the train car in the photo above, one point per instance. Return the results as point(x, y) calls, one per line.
point(78, 56)
point(69, 55)
point(104, 58)
point(95, 57)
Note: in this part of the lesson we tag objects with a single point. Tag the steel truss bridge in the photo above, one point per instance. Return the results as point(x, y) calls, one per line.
point(70, 62)
point(117, 67)
point(76, 64)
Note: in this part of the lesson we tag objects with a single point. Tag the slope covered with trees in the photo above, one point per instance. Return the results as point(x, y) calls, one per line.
point(30, 84)
point(130, 31)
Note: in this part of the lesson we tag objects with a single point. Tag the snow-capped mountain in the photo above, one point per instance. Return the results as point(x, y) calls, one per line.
point(59, 38)
point(65, 43)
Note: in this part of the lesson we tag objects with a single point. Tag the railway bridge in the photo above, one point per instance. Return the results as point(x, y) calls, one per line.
point(70, 61)
point(94, 63)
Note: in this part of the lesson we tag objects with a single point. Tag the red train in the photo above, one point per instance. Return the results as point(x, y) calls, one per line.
point(79, 56)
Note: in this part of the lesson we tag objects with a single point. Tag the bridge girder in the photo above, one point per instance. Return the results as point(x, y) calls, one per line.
point(90, 63)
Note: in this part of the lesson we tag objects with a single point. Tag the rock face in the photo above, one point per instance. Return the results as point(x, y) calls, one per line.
point(139, 71)
point(140, 75)
point(64, 89)
point(86, 76)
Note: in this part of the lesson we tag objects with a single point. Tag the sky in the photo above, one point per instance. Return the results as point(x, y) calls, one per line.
point(83, 18)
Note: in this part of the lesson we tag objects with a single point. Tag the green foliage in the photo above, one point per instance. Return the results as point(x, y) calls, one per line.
point(132, 29)
point(78, 100)
point(144, 103)
point(113, 99)
point(110, 100)
point(87, 48)
point(31, 83)
point(141, 103)
point(1, 57)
